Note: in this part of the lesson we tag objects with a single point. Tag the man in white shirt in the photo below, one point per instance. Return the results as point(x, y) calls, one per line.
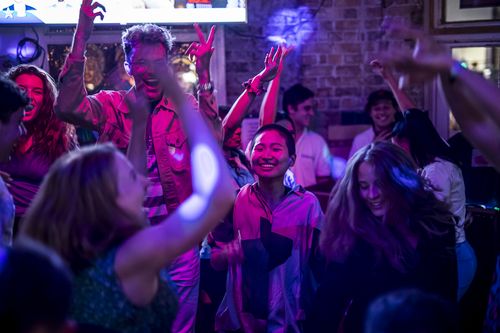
point(313, 164)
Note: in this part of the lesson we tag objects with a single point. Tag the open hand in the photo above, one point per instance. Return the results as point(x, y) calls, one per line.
point(427, 60)
point(89, 10)
point(201, 52)
point(271, 63)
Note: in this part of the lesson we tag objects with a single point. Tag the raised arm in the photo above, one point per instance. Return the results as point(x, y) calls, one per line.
point(72, 105)
point(146, 253)
point(201, 54)
point(474, 101)
point(254, 87)
point(136, 150)
point(269, 106)
point(404, 101)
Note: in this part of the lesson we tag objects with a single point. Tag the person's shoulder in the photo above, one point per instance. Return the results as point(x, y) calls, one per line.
point(365, 136)
point(315, 136)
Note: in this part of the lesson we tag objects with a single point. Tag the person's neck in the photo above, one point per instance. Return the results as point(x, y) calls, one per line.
point(378, 129)
point(272, 190)
point(299, 130)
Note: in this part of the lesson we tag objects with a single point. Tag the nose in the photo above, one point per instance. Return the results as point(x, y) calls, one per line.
point(373, 192)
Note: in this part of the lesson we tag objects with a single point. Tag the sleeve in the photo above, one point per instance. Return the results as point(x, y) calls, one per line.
point(7, 215)
point(439, 178)
point(323, 162)
point(208, 106)
point(72, 104)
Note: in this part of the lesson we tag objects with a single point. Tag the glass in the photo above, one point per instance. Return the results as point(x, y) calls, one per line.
point(484, 60)
point(470, 10)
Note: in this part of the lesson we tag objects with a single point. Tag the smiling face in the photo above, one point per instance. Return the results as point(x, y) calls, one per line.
point(370, 190)
point(234, 141)
point(147, 61)
point(382, 114)
point(270, 157)
point(302, 113)
point(34, 89)
point(131, 187)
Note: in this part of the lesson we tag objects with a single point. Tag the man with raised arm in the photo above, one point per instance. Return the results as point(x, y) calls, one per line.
point(168, 162)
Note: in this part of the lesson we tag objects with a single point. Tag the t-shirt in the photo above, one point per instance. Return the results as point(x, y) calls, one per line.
point(362, 139)
point(313, 158)
point(445, 179)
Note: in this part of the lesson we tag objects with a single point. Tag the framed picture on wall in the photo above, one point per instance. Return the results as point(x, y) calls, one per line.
point(464, 16)
point(478, 3)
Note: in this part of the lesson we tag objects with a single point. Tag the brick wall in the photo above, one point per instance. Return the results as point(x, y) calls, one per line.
point(333, 62)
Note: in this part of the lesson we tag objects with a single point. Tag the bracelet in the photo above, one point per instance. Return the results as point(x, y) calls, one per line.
point(209, 86)
point(254, 86)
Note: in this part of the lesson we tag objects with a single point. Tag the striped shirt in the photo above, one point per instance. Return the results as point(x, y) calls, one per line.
point(154, 201)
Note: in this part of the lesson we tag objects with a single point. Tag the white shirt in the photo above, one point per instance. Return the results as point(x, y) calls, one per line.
point(448, 186)
point(362, 139)
point(313, 158)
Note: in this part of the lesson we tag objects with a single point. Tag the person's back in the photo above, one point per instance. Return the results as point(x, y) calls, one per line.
point(99, 298)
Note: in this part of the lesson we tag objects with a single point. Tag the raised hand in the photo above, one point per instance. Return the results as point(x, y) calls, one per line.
point(271, 64)
point(201, 52)
point(89, 10)
point(285, 51)
point(427, 60)
point(378, 68)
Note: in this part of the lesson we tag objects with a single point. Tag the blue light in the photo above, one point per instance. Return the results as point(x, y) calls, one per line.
point(291, 26)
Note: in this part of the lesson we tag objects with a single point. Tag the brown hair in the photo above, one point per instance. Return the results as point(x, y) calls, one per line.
point(75, 211)
point(411, 208)
point(145, 34)
point(51, 136)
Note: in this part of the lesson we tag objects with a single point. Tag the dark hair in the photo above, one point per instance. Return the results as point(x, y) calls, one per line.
point(12, 99)
point(146, 34)
point(75, 210)
point(290, 142)
point(411, 208)
point(411, 311)
point(296, 95)
point(51, 136)
point(425, 142)
point(35, 288)
point(280, 115)
point(380, 95)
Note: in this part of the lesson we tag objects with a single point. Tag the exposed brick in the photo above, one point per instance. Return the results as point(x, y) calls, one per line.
point(353, 59)
point(334, 61)
point(348, 70)
point(351, 91)
point(350, 13)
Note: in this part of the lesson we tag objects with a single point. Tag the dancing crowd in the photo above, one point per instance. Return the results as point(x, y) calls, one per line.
point(106, 237)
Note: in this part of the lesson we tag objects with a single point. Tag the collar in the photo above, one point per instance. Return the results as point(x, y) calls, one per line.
point(297, 190)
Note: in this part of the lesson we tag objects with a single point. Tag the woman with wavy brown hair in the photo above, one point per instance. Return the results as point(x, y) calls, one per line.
point(384, 231)
point(45, 140)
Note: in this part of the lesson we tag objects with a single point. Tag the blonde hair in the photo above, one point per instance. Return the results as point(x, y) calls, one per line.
point(75, 211)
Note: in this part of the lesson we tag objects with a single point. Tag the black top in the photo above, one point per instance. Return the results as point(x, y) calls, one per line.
point(355, 283)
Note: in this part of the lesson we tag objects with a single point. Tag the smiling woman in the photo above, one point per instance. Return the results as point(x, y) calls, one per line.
point(384, 231)
point(46, 138)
